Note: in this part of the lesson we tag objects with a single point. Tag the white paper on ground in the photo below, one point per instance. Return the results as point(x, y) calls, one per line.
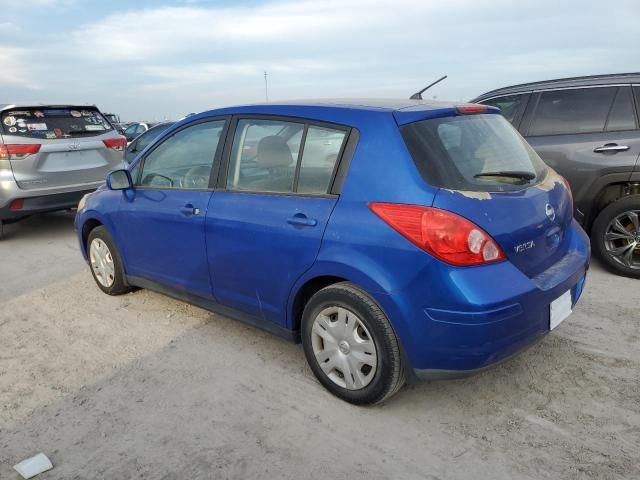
point(33, 466)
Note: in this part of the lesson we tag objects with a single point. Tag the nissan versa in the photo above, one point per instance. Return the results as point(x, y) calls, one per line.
point(395, 239)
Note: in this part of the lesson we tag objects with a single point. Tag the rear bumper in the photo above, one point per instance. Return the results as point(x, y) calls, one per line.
point(41, 204)
point(464, 320)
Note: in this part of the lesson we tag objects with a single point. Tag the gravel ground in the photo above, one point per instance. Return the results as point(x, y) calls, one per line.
point(142, 386)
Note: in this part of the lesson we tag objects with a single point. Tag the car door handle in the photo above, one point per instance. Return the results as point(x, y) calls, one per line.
point(189, 210)
point(302, 220)
point(611, 147)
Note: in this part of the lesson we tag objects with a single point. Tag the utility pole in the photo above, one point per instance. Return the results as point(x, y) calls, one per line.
point(266, 88)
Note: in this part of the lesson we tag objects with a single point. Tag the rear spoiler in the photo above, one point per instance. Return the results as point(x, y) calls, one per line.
point(418, 112)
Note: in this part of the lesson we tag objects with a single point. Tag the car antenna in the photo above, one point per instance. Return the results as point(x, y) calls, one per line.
point(418, 95)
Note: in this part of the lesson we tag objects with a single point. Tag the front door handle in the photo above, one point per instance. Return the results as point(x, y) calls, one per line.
point(189, 210)
point(300, 219)
point(611, 148)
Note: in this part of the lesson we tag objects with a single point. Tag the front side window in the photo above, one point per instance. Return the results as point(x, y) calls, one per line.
point(283, 157)
point(579, 110)
point(473, 152)
point(508, 105)
point(621, 116)
point(185, 159)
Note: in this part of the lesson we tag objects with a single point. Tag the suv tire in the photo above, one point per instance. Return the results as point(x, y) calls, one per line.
point(350, 345)
point(619, 251)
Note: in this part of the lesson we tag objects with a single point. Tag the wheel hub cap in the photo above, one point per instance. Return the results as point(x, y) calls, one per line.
point(343, 347)
point(101, 262)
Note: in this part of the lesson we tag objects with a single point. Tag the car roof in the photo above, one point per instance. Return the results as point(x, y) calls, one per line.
point(350, 111)
point(584, 81)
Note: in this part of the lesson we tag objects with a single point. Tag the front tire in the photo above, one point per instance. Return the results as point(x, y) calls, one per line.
point(105, 263)
point(616, 236)
point(350, 345)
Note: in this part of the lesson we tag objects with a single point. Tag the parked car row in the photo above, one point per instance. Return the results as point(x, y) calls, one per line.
point(374, 232)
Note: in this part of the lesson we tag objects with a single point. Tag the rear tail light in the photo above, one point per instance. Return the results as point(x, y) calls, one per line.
point(18, 149)
point(445, 235)
point(16, 204)
point(118, 143)
point(470, 109)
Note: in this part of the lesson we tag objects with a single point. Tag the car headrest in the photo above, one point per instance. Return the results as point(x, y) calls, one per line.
point(273, 152)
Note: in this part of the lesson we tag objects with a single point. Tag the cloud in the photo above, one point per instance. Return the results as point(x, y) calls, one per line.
point(15, 71)
point(162, 60)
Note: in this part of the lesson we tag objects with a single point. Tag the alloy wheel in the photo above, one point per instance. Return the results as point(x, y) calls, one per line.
point(622, 239)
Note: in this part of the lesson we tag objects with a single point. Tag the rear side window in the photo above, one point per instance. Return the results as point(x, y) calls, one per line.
point(474, 153)
point(52, 123)
point(580, 110)
point(509, 105)
point(283, 157)
point(621, 116)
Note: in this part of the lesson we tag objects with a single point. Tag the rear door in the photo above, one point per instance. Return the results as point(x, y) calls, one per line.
point(163, 221)
point(491, 176)
point(265, 226)
point(589, 135)
point(68, 146)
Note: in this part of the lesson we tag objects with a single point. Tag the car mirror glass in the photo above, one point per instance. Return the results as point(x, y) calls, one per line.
point(119, 180)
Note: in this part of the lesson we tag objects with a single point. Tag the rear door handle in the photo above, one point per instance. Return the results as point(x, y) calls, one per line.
point(300, 219)
point(612, 148)
point(189, 210)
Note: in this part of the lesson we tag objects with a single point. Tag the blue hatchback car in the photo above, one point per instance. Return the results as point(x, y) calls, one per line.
point(394, 239)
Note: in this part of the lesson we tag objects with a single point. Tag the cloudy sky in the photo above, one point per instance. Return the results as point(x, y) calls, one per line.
point(158, 59)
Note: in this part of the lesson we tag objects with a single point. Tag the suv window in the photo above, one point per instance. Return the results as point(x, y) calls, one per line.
point(185, 159)
point(52, 123)
point(266, 157)
point(621, 116)
point(474, 153)
point(508, 105)
point(580, 110)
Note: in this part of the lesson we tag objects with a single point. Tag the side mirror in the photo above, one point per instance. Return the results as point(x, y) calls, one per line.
point(119, 180)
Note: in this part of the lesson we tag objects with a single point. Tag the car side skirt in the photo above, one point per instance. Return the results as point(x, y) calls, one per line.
point(212, 306)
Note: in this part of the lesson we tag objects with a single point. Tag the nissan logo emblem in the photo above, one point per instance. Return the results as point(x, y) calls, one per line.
point(550, 211)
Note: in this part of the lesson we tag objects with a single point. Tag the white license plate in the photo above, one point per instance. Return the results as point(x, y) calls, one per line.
point(559, 309)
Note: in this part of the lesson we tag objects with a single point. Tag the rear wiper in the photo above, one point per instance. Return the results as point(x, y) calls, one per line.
point(520, 175)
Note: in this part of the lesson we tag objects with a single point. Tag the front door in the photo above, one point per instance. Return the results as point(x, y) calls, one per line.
point(164, 218)
point(265, 228)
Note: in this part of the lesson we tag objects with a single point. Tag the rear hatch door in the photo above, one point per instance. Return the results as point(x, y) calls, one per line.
point(488, 174)
point(71, 144)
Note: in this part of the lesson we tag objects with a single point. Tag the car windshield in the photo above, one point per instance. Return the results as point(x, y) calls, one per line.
point(52, 123)
point(473, 152)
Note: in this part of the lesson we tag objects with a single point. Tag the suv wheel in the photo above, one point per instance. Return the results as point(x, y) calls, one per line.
point(616, 236)
point(350, 345)
point(105, 263)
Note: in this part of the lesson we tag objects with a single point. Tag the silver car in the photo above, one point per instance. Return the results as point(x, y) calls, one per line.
point(51, 155)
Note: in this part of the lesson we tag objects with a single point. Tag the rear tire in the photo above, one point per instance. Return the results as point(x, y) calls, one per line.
point(615, 236)
point(105, 263)
point(350, 345)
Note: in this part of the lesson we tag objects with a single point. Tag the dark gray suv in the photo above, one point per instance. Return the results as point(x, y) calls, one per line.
point(586, 128)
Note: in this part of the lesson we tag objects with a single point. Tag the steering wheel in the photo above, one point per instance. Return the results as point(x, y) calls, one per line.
point(196, 177)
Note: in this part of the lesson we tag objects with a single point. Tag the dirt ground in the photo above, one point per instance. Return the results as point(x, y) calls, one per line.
point(142, 386)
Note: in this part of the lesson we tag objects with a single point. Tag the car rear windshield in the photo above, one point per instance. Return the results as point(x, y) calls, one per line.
point(54, 122)
point(480, 152)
